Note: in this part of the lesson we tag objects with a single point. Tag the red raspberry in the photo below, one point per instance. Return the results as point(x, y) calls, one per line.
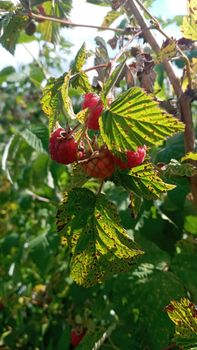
point(76, 336)
point(63, 147)
point(95, 105)
point(133, 158)
point(100, 164)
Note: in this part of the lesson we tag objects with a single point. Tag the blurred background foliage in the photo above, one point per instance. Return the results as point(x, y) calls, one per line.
point(39, 303)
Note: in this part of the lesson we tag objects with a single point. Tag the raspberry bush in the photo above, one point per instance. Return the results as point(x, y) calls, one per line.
point(98, 183)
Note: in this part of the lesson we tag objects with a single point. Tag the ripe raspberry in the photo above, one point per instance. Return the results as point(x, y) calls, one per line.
point(95, 105)
point(76, 336)
point(133, 158)
point(100, 164)
point(63, 147)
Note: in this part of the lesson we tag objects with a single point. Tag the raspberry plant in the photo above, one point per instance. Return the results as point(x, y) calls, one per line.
point(112, 171)
point(131, 120)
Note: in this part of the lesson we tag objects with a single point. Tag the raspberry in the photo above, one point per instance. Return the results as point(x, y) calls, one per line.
point(133, 158)
point(30, 28)
point(76, 336)
point(95, 105)
point(100, 164)
point(63, 147)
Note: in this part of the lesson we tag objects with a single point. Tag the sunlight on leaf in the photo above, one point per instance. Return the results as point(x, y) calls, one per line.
point(184, 315)
point(134, 119)
point(99, 246)
point(143, 180)
point(189, 26)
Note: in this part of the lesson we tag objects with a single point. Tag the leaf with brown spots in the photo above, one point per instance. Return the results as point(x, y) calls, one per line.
point(98, 245)
point(143, 180)
point(184, 315)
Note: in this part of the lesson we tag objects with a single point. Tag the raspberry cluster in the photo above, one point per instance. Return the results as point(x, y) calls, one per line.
point(96, 162)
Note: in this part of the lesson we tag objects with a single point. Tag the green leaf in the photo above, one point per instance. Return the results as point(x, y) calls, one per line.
point(101, 57)
point(110, 17)
point(49, 29)
point(113, 78)
point(81, 82)
point(190, 224)
point(5, 72)
point(80, 59)
point(143, 180)
point(12, 25)
point(66, 99)
point(33, 141)
point(184, 315)
point(6, 5)
point(134, 119)
point(185, 260)
point(37, 76)
point(51, 100)
point(99, 246)
point(189, 156)
point(174, 168)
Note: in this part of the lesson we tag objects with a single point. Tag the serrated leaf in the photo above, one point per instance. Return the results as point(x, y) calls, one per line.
point(101, 57)
point(134, 119)
point(33, 140)
point(189, 156)
point(82, 115)
point(174, 168)
point(49, 29)
point(168, 51)
point(143, 181)
point(184, 315)
point(51, 100)
point(81, 82)
point(99, 246)
point(12, 25)
point(110, 17)
point(66, 99)
point(80, 59)
point(110, 83)
point(189, 27)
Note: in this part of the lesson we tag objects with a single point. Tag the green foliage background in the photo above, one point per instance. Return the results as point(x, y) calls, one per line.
point(39, 302)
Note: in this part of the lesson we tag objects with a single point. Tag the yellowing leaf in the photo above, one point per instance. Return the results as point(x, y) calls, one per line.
point(143, 181)
point(189, 26)
point(168, 51)
point(184, 315)
point(99, 246)
point(189, 156)
point(110, 17)
point(66, 99)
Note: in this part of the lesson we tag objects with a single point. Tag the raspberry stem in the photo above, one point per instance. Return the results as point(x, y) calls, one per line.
point(100, 187)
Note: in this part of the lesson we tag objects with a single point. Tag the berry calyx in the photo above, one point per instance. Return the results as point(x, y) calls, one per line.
point(100, 164)
point(95, 105)
point(133, 158)
point(63, 147)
